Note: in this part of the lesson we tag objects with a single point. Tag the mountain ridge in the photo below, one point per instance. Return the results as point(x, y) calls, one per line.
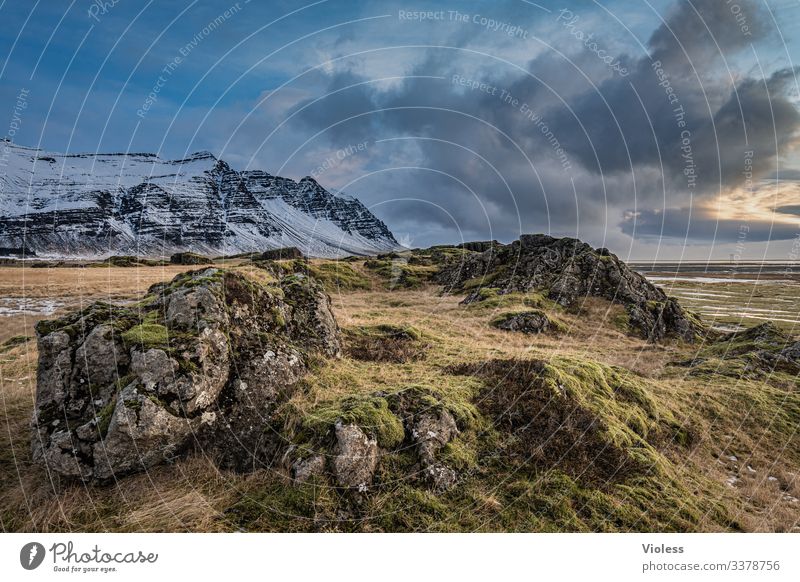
point(97, 204)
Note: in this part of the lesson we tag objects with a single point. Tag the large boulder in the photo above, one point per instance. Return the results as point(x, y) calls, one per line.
point(568, 270)
point(201, 362)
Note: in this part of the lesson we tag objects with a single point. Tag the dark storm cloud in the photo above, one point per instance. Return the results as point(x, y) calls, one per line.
point(784, 176)
point(675, 111)
point(699, 225)
point(592, 143)
point(793, 209)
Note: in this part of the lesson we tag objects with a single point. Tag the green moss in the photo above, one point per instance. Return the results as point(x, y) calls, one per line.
point(80, 322)
point(458, 401)
point(655, 306)
point(276, 506)
point(277, 316)
point(370, 413)
point(762, 337)
point(488, 292)
point(188, 367)
point(622, 321)
point(209, 277)
point(147, 335)
point(104, 417)
point(459, 454)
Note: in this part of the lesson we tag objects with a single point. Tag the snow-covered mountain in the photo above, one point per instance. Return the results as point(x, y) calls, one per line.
point(94, 205)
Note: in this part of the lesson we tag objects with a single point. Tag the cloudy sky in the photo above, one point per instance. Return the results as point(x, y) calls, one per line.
point(660, 129)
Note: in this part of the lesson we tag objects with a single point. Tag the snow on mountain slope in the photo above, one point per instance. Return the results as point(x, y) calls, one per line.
point(92, 205)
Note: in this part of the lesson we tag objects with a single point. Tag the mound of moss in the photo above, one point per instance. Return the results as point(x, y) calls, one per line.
point(762, 351)
point(564, 445)
point(592, 421)
point(337, 276)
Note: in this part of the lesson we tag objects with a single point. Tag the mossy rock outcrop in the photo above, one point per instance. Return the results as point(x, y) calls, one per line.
point(755, 352)
point(594, 422)
point(201, 361)
point(568, 270)
point(567, 438)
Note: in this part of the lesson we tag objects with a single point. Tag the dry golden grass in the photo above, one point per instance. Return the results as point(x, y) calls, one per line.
point(192, 495)
point(74, 287)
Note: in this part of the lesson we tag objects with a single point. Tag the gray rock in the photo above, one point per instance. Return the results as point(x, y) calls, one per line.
point(61, 455)
point(195, 307)
point(355, 457)
point(432, 431)
point(199, 387)
point(791, 353)
point(141, 434)
point(54, 369)
point(441, 476)
point(312, 314)
point(153, 367)
point(100, 356)
point(209, 358)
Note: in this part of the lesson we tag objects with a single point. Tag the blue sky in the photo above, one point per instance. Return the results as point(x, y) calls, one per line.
point(294, 88)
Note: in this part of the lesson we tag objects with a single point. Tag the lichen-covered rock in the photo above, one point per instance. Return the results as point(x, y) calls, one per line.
point(141, 433)
point(432, 431)
point(202, 361)
point(312, 315)
point(355, 457)
point(567, 270)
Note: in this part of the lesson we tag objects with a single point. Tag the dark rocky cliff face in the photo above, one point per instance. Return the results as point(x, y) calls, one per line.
point(568, 270)
point(90, 205)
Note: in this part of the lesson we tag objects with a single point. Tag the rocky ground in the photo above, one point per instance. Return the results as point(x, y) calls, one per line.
point(538, 386)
